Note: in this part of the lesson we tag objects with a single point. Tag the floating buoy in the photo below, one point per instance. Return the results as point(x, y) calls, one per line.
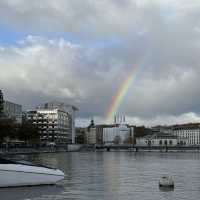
point(166, 182)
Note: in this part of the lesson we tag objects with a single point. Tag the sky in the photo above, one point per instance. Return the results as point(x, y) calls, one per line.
point(81, 52)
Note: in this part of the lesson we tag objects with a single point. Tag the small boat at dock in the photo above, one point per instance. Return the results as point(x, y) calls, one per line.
point(16, 174)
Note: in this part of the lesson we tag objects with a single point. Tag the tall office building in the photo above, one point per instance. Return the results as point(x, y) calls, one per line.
point(56, 122)
point(10, 110)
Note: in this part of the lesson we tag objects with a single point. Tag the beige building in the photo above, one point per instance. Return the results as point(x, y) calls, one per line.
point(91, 135)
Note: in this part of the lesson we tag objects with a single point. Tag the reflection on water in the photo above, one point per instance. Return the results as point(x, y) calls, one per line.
point(36, 192)
point(115, 175)
point(166, 189)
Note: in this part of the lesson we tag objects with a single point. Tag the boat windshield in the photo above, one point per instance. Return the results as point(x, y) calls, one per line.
point(5, 161)
point(22, 162)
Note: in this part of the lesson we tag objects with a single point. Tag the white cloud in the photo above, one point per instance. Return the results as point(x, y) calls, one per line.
point(165, 119)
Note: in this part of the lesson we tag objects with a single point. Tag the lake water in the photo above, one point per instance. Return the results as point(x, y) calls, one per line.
point(115, 176)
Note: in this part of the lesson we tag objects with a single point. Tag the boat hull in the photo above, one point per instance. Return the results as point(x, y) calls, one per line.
point(15, 175)
point(166, 182)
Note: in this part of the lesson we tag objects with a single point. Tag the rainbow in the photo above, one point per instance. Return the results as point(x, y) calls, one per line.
point(120, 94)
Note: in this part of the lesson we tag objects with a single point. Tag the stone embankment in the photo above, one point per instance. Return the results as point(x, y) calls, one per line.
point(31, 150)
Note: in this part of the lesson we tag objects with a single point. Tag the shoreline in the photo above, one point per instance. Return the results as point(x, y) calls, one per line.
point(86, 148)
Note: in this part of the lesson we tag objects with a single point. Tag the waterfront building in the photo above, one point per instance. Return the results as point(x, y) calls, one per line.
point(70, 109)
point(118, 134)
point(80, 137)
point(189, 131)
point(132, 133)
point(91, 135)
point(55, 122)
point(161, 129)
point(109, 134)
point(12, 111)
point(160, 139)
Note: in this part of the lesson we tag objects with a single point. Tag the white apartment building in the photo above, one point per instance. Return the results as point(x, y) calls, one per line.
point(70, 109)
point(55, 125)
point(91, 135)
point(189, 131)
point(12, 111)
point(119, 134)
point(160, 139)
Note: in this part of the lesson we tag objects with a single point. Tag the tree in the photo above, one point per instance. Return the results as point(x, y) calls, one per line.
point(1, 103)
point(8, 129)
point(29, 133)
point(141, 131)
point(80, 139)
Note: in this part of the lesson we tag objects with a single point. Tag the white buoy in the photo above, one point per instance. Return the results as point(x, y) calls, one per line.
point(166, 182)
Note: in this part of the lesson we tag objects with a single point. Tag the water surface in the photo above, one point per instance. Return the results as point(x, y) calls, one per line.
point(115, 175)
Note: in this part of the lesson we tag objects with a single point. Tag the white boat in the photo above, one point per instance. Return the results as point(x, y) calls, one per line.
point(167, 182)
point(15, 174)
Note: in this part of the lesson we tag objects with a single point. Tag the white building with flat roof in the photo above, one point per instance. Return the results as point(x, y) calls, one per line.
point(118, 134)
point(160, 139)
point(70, 109)
point(189, 131)
point(56, 122)
point(12, 111)
point(53, 125)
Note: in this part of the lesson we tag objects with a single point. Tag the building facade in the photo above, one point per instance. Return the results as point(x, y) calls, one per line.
point(12, 111)
point(56, 122)
point(53, 125)
point(70, 109)
point(189, 131)
point(91, 135)
point(118, 134)
point(104, 134)
point(160, 139)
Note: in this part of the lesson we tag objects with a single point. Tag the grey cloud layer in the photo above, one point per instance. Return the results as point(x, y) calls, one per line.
point(163, 37)
point(94, 17)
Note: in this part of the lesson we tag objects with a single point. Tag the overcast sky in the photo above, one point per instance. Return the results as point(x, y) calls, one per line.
point(80, 52)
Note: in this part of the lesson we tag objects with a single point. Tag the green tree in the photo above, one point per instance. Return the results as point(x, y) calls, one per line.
point(141, 131)
point(8, 129)
point(1, 103)
point(80, 139)
point(29, 133)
